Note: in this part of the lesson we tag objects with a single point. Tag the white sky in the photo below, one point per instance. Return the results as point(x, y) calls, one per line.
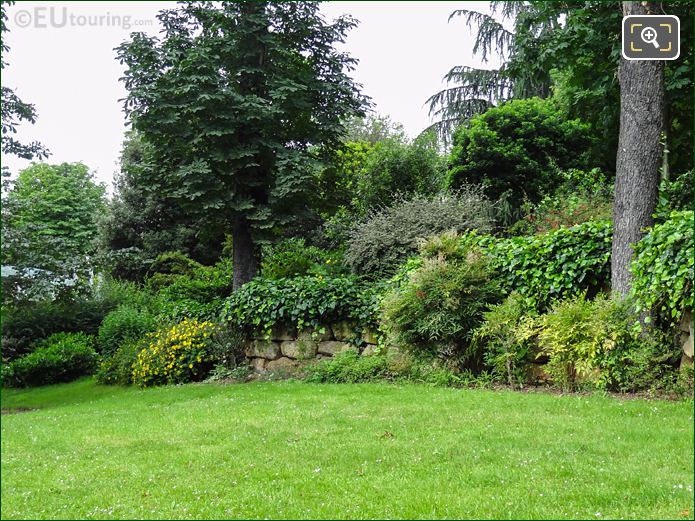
point(71, 75)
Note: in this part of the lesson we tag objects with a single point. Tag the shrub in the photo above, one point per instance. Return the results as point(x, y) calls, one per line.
point(518, 149)
point(302, 302)
point(583, 196)
point(123, 325)
point(348, 367)
point(177, 354)
point(577, 333)
point(435, 312)
point(502, 337)
point(28, 323)
point(553, 265)
point(62, 357)
point(169, 267)
point(388, 236)
point(198, 295)
point(117, 369)
point(663, 268)
point(292, 258)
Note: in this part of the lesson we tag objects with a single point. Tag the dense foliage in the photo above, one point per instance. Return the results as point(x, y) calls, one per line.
point(62, 357)
point(517, 149)
point(663, 268)
point(293, 257)
point(177, 354)
point(436, 311)
point(49, 220)
point(302, 302)
point(388, 236)
point(124, 325)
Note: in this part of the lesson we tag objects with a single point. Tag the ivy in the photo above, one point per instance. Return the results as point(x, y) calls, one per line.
point(663, 268)
point(302, 302)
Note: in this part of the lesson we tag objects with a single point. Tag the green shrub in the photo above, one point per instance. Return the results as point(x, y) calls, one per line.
point(436, 311)
point(168, 268)
point(123, 325)
point(348, 367)
point(576, 334)
point(117, 369)
point(302, 302)
point(502, 337)
point(379, 244)
point(174, 355)
point(199, 294)
point(554, 265)
point(663, 268)
point(62, 357)
point(583, 196)
point(30, 322)
point(518, 149)
point(293, 258)
point(675, 194)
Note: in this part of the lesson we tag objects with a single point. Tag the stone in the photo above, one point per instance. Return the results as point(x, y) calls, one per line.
point(343, 331)
point(687, 334)
point(333, 347)
point(310, 333)
point(281, 333)
point(263, 349)
point(369, 350)
point(369, 336)
point(299, 349)
point(281, 364)
point(258, 364)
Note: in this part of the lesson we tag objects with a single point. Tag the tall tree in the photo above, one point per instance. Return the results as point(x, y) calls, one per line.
point(639, 153)
point(14, 110)
point(237, 100)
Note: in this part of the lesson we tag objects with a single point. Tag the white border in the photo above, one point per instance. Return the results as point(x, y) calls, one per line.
point(662, 16)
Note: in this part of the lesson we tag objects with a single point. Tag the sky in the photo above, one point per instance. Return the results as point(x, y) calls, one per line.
point(62, 60)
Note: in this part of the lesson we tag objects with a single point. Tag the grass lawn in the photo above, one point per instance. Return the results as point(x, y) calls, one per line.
point(293, 450)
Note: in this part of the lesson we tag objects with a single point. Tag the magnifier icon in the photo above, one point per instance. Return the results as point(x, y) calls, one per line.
point(648, 35)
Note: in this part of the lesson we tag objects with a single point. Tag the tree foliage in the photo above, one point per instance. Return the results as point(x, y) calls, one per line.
point(234, 99)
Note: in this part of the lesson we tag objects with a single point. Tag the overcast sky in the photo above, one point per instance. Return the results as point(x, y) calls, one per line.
point(62, 60)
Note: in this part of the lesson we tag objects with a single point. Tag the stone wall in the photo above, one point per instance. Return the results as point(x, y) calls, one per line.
point(286, 349)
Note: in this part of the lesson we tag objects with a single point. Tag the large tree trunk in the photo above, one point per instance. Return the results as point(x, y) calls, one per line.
point(639, 154)
point(245, 260)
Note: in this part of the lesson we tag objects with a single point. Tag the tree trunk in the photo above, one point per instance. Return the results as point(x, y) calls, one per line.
point(245, 261)
point(639, 155)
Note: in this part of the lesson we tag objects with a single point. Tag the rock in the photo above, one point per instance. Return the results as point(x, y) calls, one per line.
point(281, 333)
point(369, 350)
point(369, 336)
point(263, 349)
point(687, 334)
point(333, 347)
point(343, 331)
point(258, 364)
point(281, 364)
point(310, 333)
point(299, 349)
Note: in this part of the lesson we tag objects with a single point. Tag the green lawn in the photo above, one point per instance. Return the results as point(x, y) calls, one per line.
point(293, 450)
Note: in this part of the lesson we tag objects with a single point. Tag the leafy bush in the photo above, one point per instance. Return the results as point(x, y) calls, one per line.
point(123, 325)
point(436, 311)
point(349, 367)
point(199, 294)
point(389, 236)
point(503, 338)
point(675, 194)
point(301, 302)
point(62, 357)
point(583, 196)
point(577, 333)
point(173, 355)
point(169, 267)
point(663, 268)
point(553, 265)
point(117, 369)
point(518, 149)
point(25, 324)
point(292, 258)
